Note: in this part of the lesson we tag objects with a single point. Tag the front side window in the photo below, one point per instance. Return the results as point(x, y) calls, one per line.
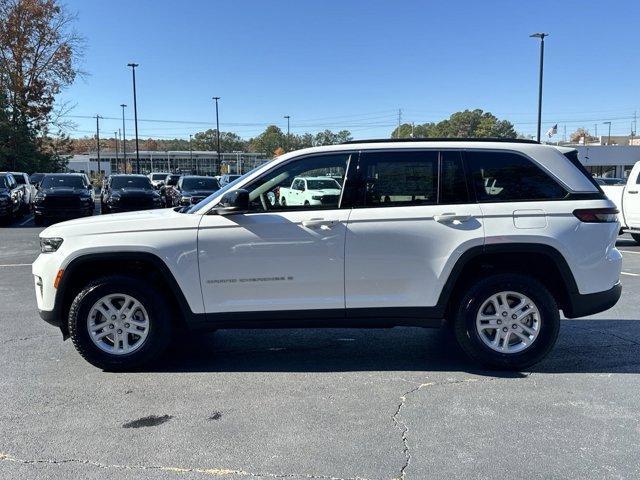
point(509, 177)
point(19, 179)
point(400, 178)
point(284, 187)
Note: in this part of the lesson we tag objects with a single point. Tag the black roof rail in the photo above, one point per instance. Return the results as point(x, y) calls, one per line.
point(444, 139)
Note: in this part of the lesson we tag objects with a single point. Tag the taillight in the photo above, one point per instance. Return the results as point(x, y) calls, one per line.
point(597, 215)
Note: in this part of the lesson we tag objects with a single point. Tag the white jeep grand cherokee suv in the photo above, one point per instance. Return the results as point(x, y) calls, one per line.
point(491, 237)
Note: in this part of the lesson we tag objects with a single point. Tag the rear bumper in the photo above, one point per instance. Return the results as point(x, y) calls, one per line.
point(581, 305)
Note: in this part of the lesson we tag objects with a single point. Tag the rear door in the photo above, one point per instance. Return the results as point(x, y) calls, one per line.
point(412, 222)
point(631, 198)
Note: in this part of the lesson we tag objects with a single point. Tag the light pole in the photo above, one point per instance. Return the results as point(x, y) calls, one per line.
point(124, 140)
point(541, 37)
point(288, 129)
point(218, 132)
point(135, 113)
point(98, 117)
point(608, 136)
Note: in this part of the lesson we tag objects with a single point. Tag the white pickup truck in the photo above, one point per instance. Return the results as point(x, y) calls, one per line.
point(310, 191)
point(627, 199)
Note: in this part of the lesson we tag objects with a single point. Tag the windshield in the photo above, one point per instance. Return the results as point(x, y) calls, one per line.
point(19, 179)
point(226, 188)
point(65, 181)
point(200, 184)
point(158, 176)
point(322, 184)
point(130, 182)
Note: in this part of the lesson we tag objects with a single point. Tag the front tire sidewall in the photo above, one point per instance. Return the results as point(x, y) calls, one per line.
point(159, 323)
point(469, 338)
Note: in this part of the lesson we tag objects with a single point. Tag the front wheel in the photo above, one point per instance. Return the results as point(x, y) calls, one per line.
point(119, 323)
point(636, 237)
point(507, 321)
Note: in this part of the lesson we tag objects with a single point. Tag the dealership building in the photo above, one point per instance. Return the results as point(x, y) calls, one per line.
point(196, 162)
point(601, 160)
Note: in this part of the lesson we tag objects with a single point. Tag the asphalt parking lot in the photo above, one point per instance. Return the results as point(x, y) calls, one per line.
point(316, 404)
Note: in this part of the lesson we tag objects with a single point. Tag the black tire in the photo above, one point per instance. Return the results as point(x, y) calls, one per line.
point(306, 203)
point(472, 344)
point(283, 202)
point(38, 221)
point(159, 322)
point(636, 237)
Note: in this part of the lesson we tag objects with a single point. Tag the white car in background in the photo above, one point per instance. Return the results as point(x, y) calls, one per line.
point(310, 191)
point(627, 199)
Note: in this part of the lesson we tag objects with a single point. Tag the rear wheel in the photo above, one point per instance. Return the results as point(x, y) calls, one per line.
point(507, 321)
point(283, 202)
point(636, 237)
point(38, 220)
point(119, 323)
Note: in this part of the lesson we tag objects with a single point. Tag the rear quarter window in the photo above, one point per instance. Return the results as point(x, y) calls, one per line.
point(509, 177)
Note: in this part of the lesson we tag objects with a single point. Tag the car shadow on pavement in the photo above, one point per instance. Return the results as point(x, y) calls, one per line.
point(584, 346)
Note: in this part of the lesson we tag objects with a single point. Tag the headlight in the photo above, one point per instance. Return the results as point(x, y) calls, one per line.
point(39, 198)
point(113, 199)
point(50, 245)
point(185, 200)
point(316, 197)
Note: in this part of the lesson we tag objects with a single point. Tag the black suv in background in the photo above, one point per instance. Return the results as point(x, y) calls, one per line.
point(124, 193)
point(190, 189)
point(63, 195)
point(10, 197)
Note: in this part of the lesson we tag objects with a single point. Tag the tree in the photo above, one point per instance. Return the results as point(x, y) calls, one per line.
point(466, 124)
point(208, 140)
point(38, 58)
point(268, 141)
point(580, 134)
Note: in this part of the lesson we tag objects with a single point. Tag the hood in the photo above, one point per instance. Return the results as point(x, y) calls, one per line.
point(54, 191)
point(118, 223)
point(198, 193)
point(134, 192)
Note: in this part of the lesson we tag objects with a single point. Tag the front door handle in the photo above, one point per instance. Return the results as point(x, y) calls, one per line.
point(452, 218)
point(319, 223)
point(633, 191)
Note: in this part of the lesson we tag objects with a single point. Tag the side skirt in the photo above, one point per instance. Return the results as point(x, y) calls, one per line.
point(429, 317)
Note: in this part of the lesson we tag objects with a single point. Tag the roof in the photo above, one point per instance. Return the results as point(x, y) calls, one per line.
point(443, 139)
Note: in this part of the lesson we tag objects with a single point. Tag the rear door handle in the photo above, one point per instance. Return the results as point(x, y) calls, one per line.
point(633, 191)
point(319, 223)
point(452, 217)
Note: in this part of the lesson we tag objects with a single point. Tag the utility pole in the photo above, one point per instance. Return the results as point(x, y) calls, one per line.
point(135, 113)
point(119, 139)
point(191, 153)
point(98, 117)
point(596, 131)
point(288, 130)
point(541, 37)
point(564, 136)
point(399, 122)
point(218, 132)
point(124, 140)
point(609, 136)
point(413, 126)
point(115, 134)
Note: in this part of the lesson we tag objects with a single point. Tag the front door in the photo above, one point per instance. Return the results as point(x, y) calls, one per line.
point(277, 257)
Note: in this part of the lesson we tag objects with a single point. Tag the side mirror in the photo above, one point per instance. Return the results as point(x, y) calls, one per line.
point(235, 201)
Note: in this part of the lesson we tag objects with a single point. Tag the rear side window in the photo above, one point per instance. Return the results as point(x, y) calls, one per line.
point(508, 177)
point(453, 184)
point(400, 178)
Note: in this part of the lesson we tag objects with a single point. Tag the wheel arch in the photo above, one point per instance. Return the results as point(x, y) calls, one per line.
point(544, 262)
point(145, 265)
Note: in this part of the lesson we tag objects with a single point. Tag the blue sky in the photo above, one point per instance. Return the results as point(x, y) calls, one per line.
point(352, 64)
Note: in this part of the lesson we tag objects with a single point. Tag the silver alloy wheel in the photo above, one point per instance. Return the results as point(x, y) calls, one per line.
point(508, 322)
point(118, 324)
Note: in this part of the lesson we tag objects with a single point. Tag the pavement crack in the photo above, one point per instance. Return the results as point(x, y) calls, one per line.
point(404, 428)
point(212, 472)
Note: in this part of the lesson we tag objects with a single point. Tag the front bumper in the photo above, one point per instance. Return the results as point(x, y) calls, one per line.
point(581, 305)
point(48, 212)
